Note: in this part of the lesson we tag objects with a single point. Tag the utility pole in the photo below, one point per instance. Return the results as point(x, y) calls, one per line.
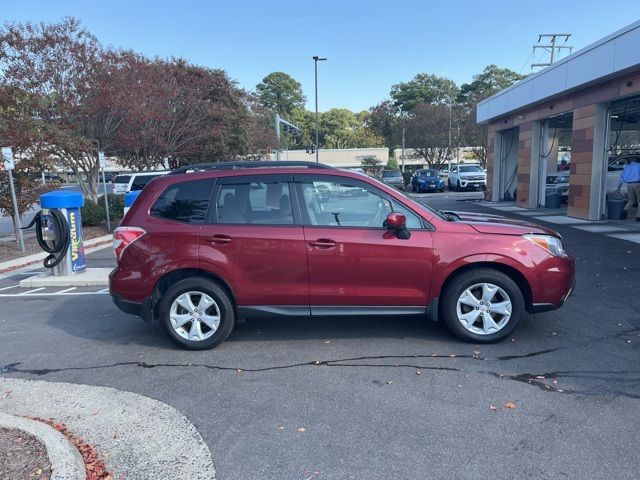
point(402, 115)
point(317, 59)
point(552, 47)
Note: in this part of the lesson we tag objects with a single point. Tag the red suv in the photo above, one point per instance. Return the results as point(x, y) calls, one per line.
point(208, 244)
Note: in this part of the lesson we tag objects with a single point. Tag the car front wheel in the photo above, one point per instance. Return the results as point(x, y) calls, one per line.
point(197, 313)
point(482, 306)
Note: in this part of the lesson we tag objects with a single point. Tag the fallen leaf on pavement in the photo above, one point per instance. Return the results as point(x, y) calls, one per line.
point(510, 405)
point(418, 372)
point(302, 429)
point(280, 428)
point(492, 408)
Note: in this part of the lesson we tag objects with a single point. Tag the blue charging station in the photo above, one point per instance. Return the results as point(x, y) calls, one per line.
point(129, 198)
point(60, 231)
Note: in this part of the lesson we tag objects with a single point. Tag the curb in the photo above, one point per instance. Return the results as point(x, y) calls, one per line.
point(92, 245)
point(66, 461)
point(139, 437)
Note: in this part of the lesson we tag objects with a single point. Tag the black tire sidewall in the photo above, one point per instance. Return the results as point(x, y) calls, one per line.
point(465, 280)
point(215, 291)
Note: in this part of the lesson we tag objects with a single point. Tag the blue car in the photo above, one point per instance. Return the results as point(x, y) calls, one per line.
point(427, 180)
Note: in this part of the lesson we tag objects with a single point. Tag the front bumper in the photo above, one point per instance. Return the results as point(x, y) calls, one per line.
point(554, 282)
point(475, 184)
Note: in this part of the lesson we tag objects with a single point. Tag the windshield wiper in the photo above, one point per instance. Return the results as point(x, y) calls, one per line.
point(449, 216)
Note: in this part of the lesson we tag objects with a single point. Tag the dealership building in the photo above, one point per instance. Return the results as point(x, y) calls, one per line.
point(580, 116)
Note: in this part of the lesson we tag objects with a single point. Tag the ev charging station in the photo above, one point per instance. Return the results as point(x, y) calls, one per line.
point(59, 232)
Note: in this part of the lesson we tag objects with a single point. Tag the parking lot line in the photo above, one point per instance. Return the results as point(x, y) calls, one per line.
point(65, 290)
point(49, 294)
point(7, 288)
point(31, 291)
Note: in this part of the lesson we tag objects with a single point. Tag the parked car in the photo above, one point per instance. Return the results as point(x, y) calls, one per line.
point(558, 183)
point(51, 177)
point(134, 181)
point(427, 180)
point(197, 251)
point(462, 177)
point(393, 178)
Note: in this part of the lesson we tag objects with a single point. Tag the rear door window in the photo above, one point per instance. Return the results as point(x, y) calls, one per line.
point(139, 181)
point(184, 202)
point(254, 203)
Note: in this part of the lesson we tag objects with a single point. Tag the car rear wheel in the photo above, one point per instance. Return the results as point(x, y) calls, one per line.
point(458, 187)
point(482, 306)
point(197, 313)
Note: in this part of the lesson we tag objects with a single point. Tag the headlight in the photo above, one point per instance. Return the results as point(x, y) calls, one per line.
point(551, 244)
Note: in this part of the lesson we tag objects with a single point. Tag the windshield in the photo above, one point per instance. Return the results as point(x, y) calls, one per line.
point(553, 179)
point(428, 173)
point(122, 179)
point(391, 173)
point(412, 202)
point(470, 168)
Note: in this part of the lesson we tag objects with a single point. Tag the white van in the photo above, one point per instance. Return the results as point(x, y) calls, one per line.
point(134, 181)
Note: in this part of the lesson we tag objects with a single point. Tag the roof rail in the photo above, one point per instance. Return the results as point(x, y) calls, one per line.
point(201, 167)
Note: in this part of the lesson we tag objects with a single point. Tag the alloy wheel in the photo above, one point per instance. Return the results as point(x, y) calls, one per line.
point(483, 308)
point(195, 316)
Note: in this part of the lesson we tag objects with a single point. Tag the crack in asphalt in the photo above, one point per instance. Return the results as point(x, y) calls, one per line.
point(538, 380)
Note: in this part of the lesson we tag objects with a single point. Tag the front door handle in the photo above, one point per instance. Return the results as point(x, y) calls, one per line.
point(324, 243)
point(219, 239)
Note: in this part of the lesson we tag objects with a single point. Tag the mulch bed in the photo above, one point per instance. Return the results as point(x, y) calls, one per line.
point(22, 456)
point(10, 250)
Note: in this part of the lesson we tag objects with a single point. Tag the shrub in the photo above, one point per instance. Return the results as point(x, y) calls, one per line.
point(92, 214)
point(116, 205)
point(392, 164)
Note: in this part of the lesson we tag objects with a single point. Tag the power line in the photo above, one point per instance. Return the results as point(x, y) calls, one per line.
point(552, 48)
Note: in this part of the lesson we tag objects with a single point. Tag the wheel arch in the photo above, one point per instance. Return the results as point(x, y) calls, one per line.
point(165, 281)
point(512, 272)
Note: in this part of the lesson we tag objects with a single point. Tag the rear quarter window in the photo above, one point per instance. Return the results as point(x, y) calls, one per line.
point(185, 202)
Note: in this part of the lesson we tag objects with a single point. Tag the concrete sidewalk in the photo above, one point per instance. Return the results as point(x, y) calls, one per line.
point(138, 437)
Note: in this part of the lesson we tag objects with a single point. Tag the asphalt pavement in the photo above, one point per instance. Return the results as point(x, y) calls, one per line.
point(372, 398)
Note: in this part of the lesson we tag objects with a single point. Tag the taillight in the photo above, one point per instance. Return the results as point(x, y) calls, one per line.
point(125, 236)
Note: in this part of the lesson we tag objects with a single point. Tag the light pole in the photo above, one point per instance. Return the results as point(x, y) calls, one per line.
point(317, 59)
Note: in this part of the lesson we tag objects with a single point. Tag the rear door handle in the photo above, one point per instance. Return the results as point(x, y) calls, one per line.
point(323, 243)
point(219, 239)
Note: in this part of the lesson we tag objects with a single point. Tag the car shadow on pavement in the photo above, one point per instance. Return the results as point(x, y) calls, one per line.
point(329, 328)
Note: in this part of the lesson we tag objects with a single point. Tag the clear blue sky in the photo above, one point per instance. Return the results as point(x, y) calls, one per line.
point(371, 44)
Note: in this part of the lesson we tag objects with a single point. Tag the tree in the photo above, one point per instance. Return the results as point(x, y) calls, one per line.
point(484, 84)
point(53, 65)
point(383, 121)
point(424, 88)
point(428, 133)
point(280, 93)
point(370, 164)
point(491, 80)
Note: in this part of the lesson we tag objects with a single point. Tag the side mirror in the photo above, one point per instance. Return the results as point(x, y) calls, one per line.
point(397, 223)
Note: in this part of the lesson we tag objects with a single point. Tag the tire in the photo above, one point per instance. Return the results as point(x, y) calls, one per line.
point(413, 188)
point(449, 185)
point(458, 187)
point(221, 308)
point(441, 190)
point(454, 306)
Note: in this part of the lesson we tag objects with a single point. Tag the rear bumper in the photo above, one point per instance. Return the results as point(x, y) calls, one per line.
point(127, 306)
